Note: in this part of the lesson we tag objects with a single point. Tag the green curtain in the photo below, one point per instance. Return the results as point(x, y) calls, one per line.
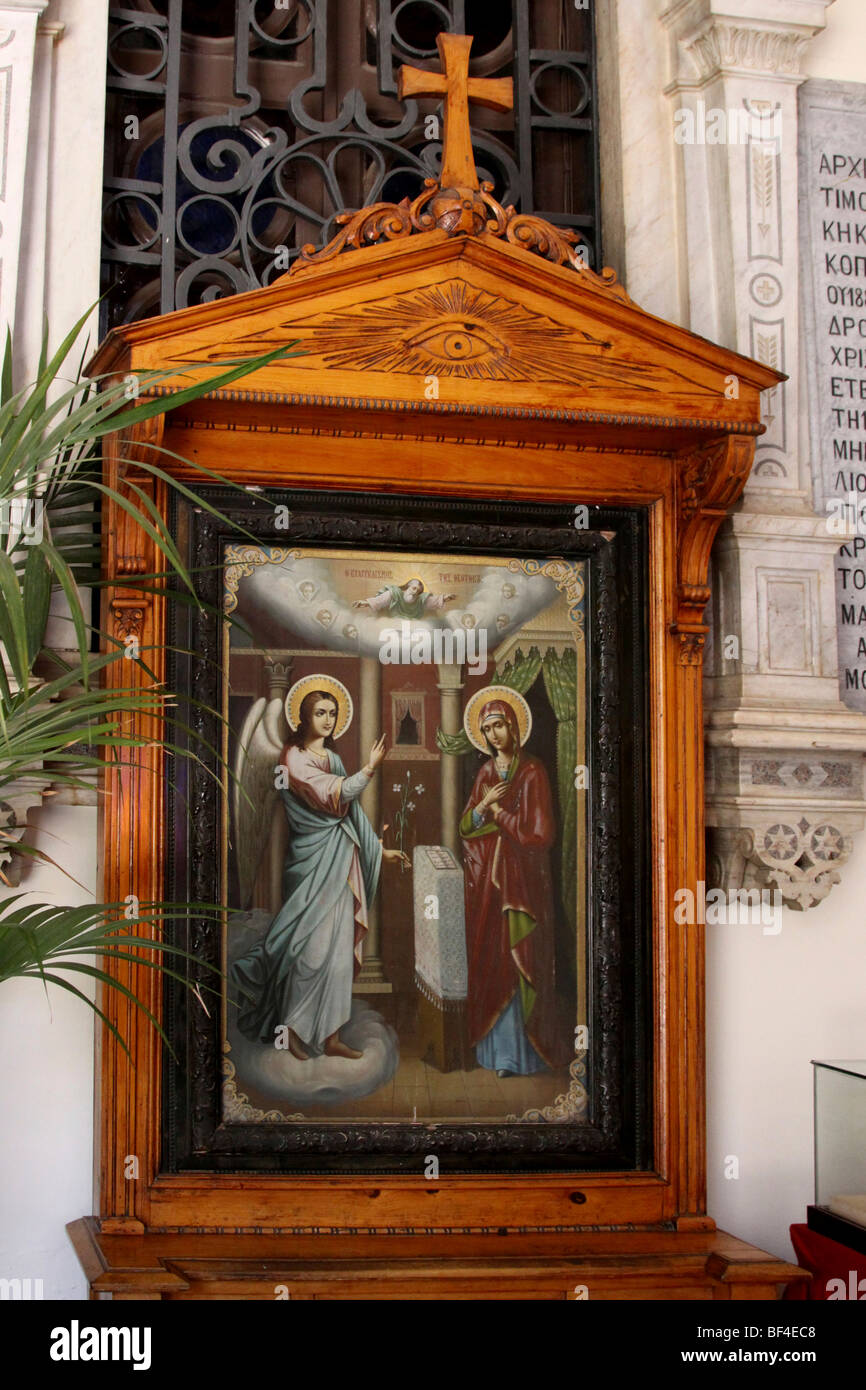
point(521, 673)
point(560, 682)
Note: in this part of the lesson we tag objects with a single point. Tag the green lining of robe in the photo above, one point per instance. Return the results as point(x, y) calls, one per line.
point(468, 830)
point(520, 924)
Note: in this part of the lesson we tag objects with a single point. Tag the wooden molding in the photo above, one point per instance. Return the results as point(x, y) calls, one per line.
point(596, 1265)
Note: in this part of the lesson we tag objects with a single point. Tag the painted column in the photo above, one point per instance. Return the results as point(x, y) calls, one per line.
point(450, 687)
point(371, 979)
point(279, 678)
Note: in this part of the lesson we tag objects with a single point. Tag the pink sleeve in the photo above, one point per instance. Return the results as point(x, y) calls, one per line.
point(321, 790)
point(434, 601)
point(380, 601)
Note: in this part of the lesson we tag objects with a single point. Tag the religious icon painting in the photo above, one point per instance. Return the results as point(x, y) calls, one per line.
point(430, 840)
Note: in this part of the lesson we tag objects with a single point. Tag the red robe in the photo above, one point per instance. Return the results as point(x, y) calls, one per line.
point(508, 867)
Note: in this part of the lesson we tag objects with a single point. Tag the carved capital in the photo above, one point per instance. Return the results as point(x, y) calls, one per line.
point(771, 41)
point(128, 617)
point(129, 550)
point(143, 443)
point(745, 48)
point(691, 648)
point(278, 675)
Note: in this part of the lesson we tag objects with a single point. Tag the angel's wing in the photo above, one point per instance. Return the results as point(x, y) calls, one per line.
point(254, 792)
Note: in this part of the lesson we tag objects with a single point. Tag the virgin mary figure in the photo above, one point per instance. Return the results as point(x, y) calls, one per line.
point(507, 830)
point(300, 974)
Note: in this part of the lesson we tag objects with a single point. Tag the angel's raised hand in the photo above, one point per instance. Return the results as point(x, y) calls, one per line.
point(377, 753)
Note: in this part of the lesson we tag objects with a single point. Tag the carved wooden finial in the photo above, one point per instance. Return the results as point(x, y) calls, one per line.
point(458, 89)
point(456, 203)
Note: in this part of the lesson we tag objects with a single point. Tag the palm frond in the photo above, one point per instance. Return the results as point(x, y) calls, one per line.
point(65, 723)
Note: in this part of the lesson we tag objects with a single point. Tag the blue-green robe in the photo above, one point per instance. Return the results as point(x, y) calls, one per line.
point(300, 973)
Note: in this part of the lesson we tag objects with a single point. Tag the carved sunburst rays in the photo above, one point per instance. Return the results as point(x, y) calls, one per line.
point(457, 330)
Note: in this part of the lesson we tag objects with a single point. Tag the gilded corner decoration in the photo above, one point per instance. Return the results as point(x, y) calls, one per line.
point(241, 560)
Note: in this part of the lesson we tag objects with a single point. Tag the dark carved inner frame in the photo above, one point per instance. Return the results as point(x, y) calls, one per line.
point(617, 1135)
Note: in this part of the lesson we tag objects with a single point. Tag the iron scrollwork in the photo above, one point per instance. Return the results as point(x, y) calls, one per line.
point(238, 132)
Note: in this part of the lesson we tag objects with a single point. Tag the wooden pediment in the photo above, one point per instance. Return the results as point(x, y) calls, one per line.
point(466, 323)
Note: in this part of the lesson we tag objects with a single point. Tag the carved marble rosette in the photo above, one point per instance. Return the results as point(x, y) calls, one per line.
point(784, 756)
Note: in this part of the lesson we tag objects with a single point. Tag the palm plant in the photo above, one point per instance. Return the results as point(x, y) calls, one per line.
point(58, 722)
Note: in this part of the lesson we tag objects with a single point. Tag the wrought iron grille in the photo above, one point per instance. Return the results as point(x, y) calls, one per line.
point(236, 130)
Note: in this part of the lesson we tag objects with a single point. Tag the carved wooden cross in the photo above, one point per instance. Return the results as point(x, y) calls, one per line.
point(458, 89)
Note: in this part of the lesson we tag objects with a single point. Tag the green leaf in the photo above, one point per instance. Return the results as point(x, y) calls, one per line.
point(13, 621)
point(37, 599)
point(6, 377)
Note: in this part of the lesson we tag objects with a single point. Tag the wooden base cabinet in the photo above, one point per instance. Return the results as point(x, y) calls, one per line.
point(578, 1265)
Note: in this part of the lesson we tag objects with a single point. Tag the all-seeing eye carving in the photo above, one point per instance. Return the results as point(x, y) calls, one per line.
point(457, 340)
point(455, 329)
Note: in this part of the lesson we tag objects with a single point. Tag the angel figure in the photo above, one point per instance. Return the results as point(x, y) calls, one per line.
point(300, 974)
point(409, 600)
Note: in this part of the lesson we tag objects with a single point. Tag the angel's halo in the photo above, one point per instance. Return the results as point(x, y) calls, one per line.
point(332, 687)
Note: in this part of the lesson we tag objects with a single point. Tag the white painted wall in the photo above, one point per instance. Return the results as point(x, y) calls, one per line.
point(46, 1046)
point(46, 1085)
point(839, 54)
point(775, 1003)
